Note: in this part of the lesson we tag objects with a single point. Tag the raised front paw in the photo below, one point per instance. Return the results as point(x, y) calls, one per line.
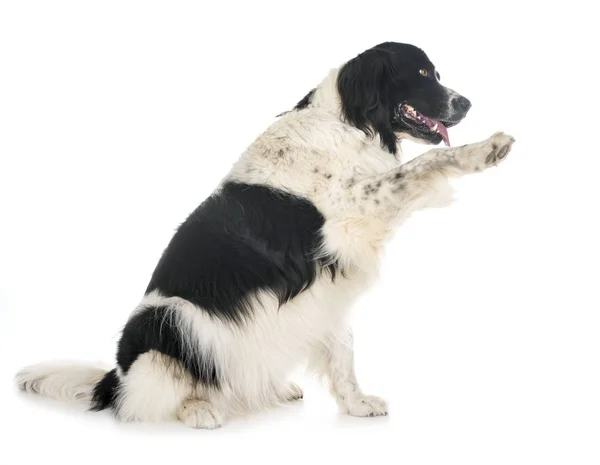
point(365, 406)
point(498, 147)
point(490, 152)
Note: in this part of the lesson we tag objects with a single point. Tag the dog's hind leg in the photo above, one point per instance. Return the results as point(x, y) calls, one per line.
point(197, 413)
point(290, 392)
point(153, 389)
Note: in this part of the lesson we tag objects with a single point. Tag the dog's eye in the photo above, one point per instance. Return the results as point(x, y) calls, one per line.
point(423, 72)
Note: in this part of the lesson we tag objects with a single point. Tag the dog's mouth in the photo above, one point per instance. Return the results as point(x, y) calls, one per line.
point(425, 125)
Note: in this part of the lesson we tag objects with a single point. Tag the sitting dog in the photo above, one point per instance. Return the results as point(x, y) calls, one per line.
point(262, 275)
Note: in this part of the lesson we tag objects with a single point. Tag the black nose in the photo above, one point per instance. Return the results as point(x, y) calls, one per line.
point(461, 103)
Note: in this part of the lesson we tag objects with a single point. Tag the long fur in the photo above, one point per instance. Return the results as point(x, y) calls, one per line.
point(66, 381)
point(262, 276)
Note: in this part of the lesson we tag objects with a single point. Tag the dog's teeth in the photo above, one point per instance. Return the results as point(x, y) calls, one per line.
point(434, 128)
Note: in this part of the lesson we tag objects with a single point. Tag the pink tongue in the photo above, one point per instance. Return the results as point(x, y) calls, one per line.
point(441, 129)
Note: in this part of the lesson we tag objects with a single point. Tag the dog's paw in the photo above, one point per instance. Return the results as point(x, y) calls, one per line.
point(365, 406)
point(291, 393)
point(196, 413)
point(493, 151)
point(295, 392)
point(499, 145)
point(485, 154)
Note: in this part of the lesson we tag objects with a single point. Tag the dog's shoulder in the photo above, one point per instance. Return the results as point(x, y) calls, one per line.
point(309, 153)
point(314, 155)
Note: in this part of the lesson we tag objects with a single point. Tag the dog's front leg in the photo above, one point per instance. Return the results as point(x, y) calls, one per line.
point(393, 195)
point(386, 199)
point(334, 360)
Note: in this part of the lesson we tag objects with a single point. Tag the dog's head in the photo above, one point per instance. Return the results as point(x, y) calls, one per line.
point(394, 89)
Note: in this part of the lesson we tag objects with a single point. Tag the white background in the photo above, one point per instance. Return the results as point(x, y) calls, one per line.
point(117, 118)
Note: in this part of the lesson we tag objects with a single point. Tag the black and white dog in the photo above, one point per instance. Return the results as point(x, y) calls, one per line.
point(261, 276)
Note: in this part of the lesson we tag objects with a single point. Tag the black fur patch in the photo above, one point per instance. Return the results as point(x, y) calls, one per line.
point(305, 101)
point(106, 391)
point(302, 103)
point(157, 328)
point(241, 240)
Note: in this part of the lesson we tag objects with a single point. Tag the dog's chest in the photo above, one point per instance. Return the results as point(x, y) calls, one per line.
point(351, 232)
point(309, 318)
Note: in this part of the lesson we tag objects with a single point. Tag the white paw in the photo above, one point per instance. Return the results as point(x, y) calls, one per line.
point(365, 406)
point(196, 413)
point(293, 392)
point(494, 150)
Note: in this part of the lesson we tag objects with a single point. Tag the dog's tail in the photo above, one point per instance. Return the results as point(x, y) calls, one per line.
point(71, 382)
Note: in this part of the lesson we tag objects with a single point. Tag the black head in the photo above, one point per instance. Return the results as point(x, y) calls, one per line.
point(394, 88)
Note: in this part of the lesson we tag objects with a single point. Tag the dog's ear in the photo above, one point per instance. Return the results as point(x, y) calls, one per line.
point(365, 85)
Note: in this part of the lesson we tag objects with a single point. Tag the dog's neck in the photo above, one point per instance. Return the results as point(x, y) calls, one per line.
point(327, 97)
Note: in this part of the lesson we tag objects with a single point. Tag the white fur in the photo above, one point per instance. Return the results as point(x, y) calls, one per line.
point(65, 381)
point(153, 389)
point(255, 359)
point(364, 194)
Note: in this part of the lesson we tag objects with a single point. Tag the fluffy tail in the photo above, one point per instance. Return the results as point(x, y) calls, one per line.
point(71, 382)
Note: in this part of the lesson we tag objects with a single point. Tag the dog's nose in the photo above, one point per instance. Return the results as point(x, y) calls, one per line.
point(462, 103)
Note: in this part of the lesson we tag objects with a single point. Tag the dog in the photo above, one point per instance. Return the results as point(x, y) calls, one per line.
point(261, 277)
